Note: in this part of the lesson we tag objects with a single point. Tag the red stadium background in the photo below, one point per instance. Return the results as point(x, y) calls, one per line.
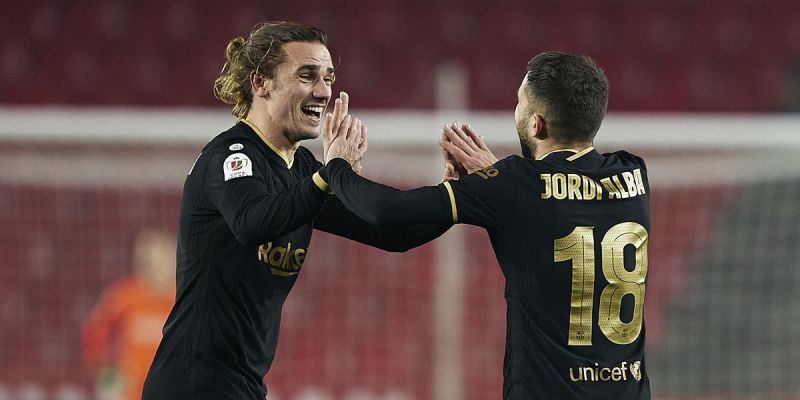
point(362, 324)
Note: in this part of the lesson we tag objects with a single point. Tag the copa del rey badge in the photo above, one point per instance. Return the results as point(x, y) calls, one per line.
point(237, 165)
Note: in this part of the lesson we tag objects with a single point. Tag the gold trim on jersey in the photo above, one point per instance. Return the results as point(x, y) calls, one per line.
point(573, 157)
point(452, 201)
point(269, 144)
point(580, 154)
point(321, 184)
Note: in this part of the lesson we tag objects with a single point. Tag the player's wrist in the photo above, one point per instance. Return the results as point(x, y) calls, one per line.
point(342, 160)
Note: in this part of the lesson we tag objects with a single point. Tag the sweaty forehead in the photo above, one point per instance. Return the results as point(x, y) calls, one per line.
point(304, 53)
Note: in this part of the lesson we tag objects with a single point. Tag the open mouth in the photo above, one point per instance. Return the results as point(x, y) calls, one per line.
point(313, 111)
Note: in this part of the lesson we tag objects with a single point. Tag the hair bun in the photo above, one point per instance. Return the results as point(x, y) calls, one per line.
point(235, 48)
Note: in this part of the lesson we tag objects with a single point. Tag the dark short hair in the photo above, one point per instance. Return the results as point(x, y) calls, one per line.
point(573, 91)
point(261, 53)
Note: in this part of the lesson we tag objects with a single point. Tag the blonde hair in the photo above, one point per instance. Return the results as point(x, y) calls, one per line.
point(260, 53)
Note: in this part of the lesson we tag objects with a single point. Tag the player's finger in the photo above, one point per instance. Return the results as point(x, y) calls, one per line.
point(329, 131)
point(449, 131)
point(363, 132)
point(446, 156)
point(478, 139)
point(360, 132)
point(344, 127)
point(345, 102)
point(353, 131)
point(348, 133)
point(456, 140)
point(444, 132)
point(337, 115)
point(342, 105)
point(362, 146)
point(458, 128)
point(456, 152)
point(443, 138)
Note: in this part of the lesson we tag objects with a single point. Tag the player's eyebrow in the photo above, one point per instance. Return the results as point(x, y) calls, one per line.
point(314, 68)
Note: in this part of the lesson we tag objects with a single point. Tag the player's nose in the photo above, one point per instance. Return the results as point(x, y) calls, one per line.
point(322, 90)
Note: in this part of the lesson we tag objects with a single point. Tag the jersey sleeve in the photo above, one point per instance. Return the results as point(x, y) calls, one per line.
point(335, 218)
point(484, 198)
point(237, 184)
point(379, 204)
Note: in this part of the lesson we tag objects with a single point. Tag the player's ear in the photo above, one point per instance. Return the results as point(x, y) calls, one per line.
point(260, 84)
point(538, 127)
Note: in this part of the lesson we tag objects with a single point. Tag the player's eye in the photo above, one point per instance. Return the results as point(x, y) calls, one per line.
point(328, 80)
point(306, 77)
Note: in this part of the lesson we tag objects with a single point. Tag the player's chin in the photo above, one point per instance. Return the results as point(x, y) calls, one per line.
point(307, 133)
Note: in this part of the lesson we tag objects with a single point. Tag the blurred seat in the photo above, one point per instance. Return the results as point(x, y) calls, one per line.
point(169, 53)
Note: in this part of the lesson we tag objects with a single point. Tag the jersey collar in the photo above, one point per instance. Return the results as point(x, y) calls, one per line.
point(272, 147)
point(576, 154)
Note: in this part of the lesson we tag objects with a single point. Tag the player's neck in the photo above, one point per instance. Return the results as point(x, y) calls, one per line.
point(272, 133)
point(545, 147)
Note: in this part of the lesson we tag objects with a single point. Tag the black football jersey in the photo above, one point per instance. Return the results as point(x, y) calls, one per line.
point(246, 220)
point(570, 233)
point(240, 249)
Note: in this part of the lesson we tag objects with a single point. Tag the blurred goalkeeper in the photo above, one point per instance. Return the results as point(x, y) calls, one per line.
point(569, 227)
point(122, 332)
point(249, 204)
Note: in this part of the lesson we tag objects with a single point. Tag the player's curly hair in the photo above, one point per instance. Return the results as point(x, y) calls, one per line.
point(261, 52)
point(572, 91)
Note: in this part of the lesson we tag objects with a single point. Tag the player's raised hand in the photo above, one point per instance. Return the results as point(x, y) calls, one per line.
point(358, 166)
point(350, 143)
point(334, 149)
point(333, 121)
point(452, 168)
point(467, 147)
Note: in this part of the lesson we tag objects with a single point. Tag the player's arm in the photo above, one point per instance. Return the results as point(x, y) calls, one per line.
point(379, 204)
point(253, 212)
point(480, 203)
point(369, 201)
point(486, 204)
point(335, 218)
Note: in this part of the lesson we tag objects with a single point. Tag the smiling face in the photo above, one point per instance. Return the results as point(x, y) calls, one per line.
point(300, 90)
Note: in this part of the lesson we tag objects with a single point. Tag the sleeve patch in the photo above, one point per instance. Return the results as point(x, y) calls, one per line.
point(237, 165)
